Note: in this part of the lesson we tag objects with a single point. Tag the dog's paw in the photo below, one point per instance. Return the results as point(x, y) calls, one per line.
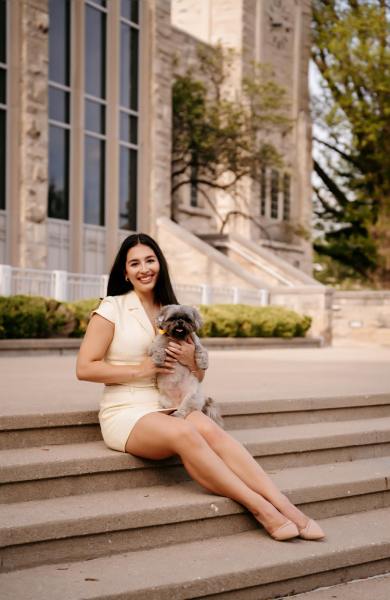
point(202, 361)
point(177, 414)
point(158, 358)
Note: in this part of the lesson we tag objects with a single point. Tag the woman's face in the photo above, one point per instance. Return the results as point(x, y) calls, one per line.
point(142, 268)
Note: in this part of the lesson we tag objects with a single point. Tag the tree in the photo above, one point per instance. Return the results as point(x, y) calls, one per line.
point(351, 53)
point(218, 139)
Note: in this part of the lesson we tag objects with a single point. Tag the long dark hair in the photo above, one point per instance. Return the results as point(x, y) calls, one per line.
point(117, 285)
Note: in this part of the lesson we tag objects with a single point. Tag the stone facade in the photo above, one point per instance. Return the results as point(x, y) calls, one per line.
point(168, 27)
point(278, 35)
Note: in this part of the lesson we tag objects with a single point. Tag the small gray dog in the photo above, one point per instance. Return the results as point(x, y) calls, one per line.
point(181, 389)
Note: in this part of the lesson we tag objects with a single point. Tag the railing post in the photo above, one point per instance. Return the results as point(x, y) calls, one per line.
point(60, 285)
point(5, 280)
point(103, 285)
point(205, 296)
point(264, 297)
point(236, 295)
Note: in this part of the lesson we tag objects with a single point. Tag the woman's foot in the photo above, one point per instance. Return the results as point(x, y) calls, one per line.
point(308, 528)
point(277, 525)
point(312, 531)
point(287, 531)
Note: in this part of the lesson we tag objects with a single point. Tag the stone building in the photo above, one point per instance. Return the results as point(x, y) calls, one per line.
point(85, 123)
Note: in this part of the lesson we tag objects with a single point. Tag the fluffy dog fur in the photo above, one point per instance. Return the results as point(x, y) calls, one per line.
point(181, 389)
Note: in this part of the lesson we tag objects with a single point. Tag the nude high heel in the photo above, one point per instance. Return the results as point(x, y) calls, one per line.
point(287, 531)
point(312, 531)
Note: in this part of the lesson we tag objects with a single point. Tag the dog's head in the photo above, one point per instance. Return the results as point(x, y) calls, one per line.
point(178, 320)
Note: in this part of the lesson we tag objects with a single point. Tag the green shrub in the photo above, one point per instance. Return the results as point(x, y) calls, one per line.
point(23, 317)
point(82, 311)
point(36, 317)
point(240, 320)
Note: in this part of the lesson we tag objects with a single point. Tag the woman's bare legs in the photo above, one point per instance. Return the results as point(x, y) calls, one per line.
point(158, 436)
point(235, 456)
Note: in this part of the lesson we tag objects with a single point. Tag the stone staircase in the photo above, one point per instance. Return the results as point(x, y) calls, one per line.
point(78, 520)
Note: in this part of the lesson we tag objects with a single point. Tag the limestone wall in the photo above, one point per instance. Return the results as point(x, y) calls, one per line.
point(361, 316)
point(309, 300)
point(33, 154)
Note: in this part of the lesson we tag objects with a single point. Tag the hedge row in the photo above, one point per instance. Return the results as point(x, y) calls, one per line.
point(36, 317)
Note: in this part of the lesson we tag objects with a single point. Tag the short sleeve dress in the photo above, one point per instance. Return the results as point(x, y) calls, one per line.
point(124, 404)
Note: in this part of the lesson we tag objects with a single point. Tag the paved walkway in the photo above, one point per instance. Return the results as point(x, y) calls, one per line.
point(48, 383)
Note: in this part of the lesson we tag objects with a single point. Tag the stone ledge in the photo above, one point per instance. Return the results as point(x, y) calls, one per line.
point(69, 345)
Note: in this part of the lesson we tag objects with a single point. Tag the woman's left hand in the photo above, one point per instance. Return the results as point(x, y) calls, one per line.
point(183, 351)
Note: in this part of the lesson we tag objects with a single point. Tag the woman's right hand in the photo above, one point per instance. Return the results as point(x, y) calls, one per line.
point(148, 368)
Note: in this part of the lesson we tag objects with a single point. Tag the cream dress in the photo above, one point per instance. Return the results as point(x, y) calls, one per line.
point(124, 404)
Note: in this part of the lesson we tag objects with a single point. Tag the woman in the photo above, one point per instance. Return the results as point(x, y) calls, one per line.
point(114, 352)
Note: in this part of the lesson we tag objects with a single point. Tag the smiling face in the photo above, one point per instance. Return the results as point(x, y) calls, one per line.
point(142, 268)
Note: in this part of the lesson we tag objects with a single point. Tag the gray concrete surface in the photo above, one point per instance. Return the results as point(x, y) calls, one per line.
point(32, 384)
point(375, 588)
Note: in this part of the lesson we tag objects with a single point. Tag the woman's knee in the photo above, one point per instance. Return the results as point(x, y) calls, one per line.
point(185, 434)
point(207, 428)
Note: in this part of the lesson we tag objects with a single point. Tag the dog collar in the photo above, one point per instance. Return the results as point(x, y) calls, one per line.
point(161, 331)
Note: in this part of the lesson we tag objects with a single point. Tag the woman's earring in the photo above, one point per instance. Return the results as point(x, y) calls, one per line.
point(126, 278)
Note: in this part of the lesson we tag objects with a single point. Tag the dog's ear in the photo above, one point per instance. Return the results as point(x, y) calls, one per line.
point(196, 318)
point(165, 313)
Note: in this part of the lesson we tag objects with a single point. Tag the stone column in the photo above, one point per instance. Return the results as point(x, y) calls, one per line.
point(33, 148)
point(156, 148)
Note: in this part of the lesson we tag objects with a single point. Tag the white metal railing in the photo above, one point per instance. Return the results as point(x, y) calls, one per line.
point(65, 286)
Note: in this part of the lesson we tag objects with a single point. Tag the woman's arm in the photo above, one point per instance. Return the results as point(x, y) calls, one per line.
point(91, 365)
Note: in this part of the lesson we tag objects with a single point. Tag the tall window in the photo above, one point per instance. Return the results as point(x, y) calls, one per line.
point(194, 186)
point(263, 191)
point(274, 194)
point(59, 108)
point(95, 111)
point(3, 97)
point(129, 114)
point(286, 196)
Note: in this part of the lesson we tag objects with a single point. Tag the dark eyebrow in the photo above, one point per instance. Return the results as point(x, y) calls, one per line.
point(146, 258)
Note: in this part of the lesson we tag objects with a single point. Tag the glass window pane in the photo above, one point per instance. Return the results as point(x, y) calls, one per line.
point(58, 201)
point(3, 31)
point(129, 67)
point(130, 10)
point(94, 116)
point(59, 41)
point(129, 128)
point(128, 189)
point(2, 158)
point(3, 87)
point(286, 196)
point(94, 181)
point(263, 192)
point(194, 186)
point(99, 2)
point(274, 194)
point(95, 52)
point(58, 105)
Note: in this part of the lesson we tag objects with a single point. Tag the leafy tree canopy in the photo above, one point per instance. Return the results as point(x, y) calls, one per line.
point(352, 114)
point(220, 137)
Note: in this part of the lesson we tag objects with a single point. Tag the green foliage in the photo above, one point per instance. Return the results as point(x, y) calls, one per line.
point(82, 311)
point(36, 317)
point(218, 139)
point(240, 320)
point(23, 317)
point(352, 53)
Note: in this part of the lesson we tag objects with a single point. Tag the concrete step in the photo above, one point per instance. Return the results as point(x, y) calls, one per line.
point(92, 525)
point(248, 565)
point(374, 588)
point(37, 429)
point(63, 470)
